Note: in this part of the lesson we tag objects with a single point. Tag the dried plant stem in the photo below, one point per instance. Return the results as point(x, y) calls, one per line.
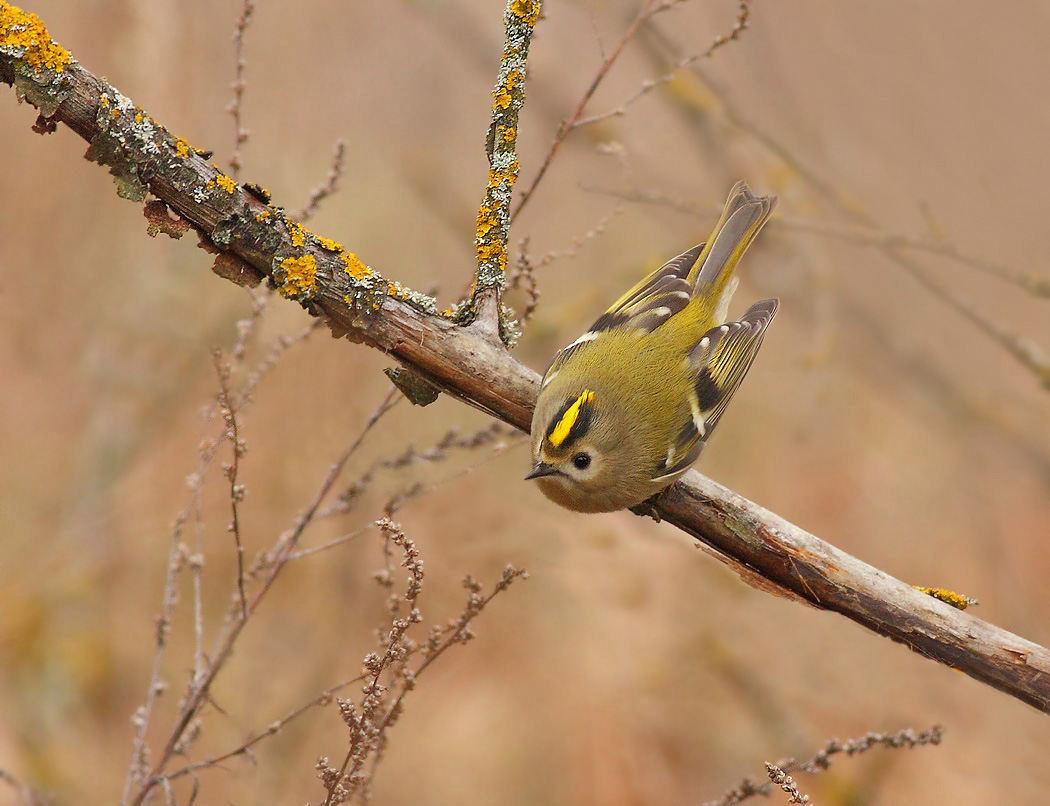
point(180, 557)
point(199, 688)
point(904, 739)
point(1034, 284)
point(1026, 351)
point(784, 781)
point(379, 709)
point(27, 796)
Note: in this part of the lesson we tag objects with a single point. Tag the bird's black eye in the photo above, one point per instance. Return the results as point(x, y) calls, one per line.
point(582, 461)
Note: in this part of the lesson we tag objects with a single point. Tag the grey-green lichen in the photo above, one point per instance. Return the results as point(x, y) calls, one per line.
point(127, 141)
point(424, 303)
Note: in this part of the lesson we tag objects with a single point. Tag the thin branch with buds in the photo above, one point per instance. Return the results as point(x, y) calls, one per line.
point(390, 676)
point(241, 134)
point(232, 469)
point(821, 761)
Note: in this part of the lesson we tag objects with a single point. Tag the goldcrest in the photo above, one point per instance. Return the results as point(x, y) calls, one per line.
point(625, 409)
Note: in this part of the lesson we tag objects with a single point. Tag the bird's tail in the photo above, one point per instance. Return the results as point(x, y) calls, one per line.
point(712, 274)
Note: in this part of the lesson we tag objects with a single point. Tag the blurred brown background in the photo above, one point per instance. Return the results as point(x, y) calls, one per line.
point(631, 668)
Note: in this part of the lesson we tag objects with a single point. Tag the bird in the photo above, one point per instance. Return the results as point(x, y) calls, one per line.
point(626, 408)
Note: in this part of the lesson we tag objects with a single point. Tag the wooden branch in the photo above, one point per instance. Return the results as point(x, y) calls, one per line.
point(359, 304)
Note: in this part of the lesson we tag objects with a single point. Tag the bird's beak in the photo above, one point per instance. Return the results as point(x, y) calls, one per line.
point(542, 469)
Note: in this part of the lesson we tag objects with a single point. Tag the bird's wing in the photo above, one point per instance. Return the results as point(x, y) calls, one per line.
point(720, 360)
point(653, 301)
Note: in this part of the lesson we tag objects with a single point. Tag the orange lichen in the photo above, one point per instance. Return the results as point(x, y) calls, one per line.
point(502, 93)
point(262, 216)
point(329, 245)
point(354, 267)
point(297, 233)
point(25, 32)
point(528, 11)
point(949, 597)
point(487, 220)
point(493, 251)
point(182, 148)
point(226, 183)
point(509, 176)
point(299, 277)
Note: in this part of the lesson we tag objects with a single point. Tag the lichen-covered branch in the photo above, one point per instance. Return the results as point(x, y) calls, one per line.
point(493, 223)
point(356, 302)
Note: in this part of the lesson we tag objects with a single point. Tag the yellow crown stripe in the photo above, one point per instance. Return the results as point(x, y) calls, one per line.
point(560, 432)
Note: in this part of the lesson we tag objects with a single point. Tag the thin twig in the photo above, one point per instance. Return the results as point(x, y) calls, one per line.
point(743, 17)
point(1026, 351)
point(398, 502)
point(438, 452)
point(240, 133)
point(229, 414)
point(275, 727)
point(330, 186)
point(26, 794)
point(194, 508)
point(576, 119)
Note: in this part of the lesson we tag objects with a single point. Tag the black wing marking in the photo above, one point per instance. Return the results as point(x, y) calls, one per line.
point(655, 299)
point(720, 360)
